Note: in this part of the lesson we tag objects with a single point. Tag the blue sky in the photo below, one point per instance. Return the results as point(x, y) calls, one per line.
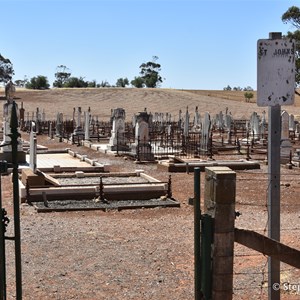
point(204, 44)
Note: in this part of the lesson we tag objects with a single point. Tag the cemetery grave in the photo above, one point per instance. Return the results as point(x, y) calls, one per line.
point(70, 181)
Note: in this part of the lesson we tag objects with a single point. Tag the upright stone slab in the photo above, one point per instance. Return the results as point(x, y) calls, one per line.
point(179, 118)
point(292, 125)
point(186, 123)
point(117, 141)
point(142, 147)
point(285, 143)
point(87, 119)
point(221, 121)
point(33, 150)
point(205, 133)
point(6, 148)
point(254, 126)
point(228, 121)
point(197, 120)
point(59, 126)
point(78, 131)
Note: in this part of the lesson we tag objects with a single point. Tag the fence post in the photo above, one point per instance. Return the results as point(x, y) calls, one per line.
point(206, 261)
point(197, 245)
point(219, 203)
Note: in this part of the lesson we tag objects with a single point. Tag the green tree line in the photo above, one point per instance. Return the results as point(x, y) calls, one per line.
point(149, 76)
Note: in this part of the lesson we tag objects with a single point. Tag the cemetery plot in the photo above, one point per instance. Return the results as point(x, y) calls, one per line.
point(80, 191)
point(188, 165)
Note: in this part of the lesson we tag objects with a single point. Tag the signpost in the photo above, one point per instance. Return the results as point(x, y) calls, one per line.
point(275, 71)
point(275, 87)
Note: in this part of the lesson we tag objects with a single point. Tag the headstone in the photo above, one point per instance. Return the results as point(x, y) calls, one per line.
point(220, 121)
point(292, 125)
point(117, 140)
point(228, 121)
point(179, 119)
point(197, 120)
point(254, 126)
point(205, 133)
point(33, 149)
point(78, 131)
point(7, 109)
point(87, 126)
point(285, 144)
point(142, 147)
point(186, 123)
point(6, 148)
point(59, 125)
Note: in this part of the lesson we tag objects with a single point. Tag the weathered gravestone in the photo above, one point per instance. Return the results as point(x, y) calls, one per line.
point(6, 148)
point(33, 148)
point(87, 121)
point(117, 140)
point(59, 126)
point(142, 147)
point(205, 133)
point(285, 143)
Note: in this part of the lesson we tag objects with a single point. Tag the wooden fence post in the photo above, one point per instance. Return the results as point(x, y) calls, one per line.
point(219, 202)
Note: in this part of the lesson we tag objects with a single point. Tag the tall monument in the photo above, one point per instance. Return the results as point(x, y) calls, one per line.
point(6, 149)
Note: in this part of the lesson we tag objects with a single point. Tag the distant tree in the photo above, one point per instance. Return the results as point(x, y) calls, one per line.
point(150, 73)
point(6, 69)
point(103, 84)
point(237, 88)
point(227, 88)
point(248, 88)
point(62, 75)
point(137, 82)
point(75, 82)
point(92, 84)
point(21, 83)
point(122, 82)
point(248, 96)
point(292, 16)
point(39, 82)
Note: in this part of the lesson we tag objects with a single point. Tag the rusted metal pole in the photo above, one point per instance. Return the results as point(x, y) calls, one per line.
point(14, 145)
point(197, 237)
point(206, 250)
point(2, 250)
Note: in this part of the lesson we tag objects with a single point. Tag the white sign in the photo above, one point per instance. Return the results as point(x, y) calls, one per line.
point(275, 72)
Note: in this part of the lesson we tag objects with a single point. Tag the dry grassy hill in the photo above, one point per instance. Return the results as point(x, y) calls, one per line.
point(133, 100)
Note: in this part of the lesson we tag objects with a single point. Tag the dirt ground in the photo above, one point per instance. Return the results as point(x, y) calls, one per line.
point(143, 253)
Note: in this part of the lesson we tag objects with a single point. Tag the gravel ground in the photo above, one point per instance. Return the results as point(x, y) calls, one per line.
point(105, 180)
